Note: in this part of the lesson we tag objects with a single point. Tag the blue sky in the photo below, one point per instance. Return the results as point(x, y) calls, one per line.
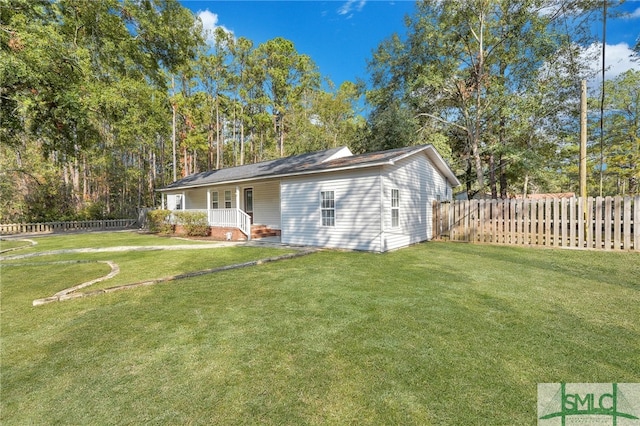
point(340, 35)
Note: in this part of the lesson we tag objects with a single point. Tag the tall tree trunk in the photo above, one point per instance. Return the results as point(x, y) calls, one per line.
point(492, 177)
point(218, 148)
point(281, 144)
point(185, 170)
point(503, 178)
point(151, 178)
point(477, 163)
point(241, 136)
point(502, 140)
point(479, 84)
point(210, 137)
point(85, 178)
point(282, 135)
point(173, 128)
point(75, 189)
point(195, 169)
point(235, 137)
point(469, 173)
point(65, 174)
point(140, 177)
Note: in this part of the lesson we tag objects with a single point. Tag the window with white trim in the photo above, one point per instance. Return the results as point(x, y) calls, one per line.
point(215, 202)
point(178, 202)
point(395, 208)
point(227, 199)
point(328, 208)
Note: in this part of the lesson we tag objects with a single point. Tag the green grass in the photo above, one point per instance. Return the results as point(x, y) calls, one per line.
point(10, 245)
point(96, 239)
point(135, 266)
point(144, 265)
point(438, 333)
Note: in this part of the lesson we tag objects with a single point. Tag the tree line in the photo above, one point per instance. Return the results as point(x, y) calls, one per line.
point(495, 84)
point(103, 102)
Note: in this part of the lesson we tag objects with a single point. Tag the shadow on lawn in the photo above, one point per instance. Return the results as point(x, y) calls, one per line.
point(619, 268)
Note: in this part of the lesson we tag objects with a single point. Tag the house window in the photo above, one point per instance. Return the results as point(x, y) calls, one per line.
point(328, 208)
point(215, 202)
point(395, 208)
point(178, 202)
point(227, 199)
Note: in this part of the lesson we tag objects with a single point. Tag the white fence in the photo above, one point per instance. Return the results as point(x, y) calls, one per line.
point(52, 227)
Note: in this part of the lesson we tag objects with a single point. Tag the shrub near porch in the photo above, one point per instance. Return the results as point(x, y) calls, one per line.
point(192, 224)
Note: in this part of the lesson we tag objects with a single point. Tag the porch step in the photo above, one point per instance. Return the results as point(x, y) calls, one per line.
point(262, 231)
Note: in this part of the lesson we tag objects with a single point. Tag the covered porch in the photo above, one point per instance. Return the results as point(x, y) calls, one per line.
point(252, 209)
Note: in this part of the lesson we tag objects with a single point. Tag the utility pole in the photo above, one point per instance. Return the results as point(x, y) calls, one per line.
point(173, 126)
point(604, 43)
point(583, 156)
point(583, 140)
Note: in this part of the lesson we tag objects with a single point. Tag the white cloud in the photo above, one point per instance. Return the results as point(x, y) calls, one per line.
point(632, 15)
point(617, 60)
point(209, 25)
point(350, 6)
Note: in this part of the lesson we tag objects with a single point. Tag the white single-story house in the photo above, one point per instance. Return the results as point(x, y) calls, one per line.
point(377, 201)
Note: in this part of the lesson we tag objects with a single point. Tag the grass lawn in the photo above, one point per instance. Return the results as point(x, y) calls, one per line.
point(135, 266)
point(438, 333)
point(10, 245)
point(92, 239)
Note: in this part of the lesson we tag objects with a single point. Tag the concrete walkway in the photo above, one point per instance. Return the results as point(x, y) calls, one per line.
point(74, 293)
point(124, 249)
point(31, 244)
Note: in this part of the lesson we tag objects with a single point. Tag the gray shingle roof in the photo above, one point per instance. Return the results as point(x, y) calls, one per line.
point(301, 164)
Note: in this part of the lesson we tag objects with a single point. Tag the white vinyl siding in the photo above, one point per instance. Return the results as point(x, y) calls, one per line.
point(266, 204)
point(195, 199)
point(357, 209)
point(420, 183)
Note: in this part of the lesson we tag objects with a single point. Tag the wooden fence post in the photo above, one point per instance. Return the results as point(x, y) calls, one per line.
point(636, 224)
point(617, 231)
point(627, 223)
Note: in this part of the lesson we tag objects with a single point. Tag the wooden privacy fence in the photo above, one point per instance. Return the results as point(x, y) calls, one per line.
point(604, 223)
point(82, 225)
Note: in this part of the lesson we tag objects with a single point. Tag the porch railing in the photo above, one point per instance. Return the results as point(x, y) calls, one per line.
point(228, 218)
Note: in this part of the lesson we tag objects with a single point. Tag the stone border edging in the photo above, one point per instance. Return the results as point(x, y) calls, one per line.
point(31, 244)
point(115, 270)
point(71, 293)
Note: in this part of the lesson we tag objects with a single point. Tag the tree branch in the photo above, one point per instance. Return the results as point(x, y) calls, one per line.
point(424, 114)
point(23, 172)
